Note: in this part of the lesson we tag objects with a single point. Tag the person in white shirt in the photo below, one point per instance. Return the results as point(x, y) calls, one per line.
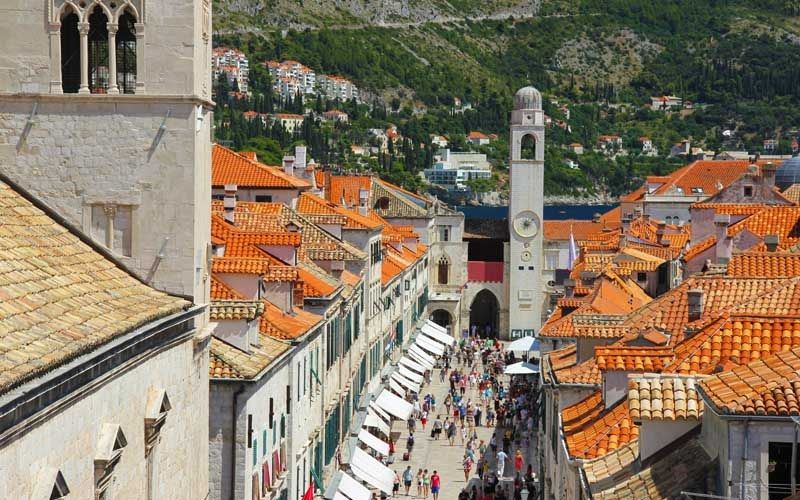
point(501, 463)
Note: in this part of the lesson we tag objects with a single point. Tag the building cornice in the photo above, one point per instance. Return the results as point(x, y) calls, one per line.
point(109, 98)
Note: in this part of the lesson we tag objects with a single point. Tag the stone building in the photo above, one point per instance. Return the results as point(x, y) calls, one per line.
point(104, 130)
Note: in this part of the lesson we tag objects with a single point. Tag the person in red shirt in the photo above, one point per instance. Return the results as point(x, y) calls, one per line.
point(436, 483)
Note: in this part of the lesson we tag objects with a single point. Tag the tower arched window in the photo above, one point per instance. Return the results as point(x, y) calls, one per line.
point(527, 148)
point(126, 53)
point(98, 51)
point(443, 271)
point(70, 53)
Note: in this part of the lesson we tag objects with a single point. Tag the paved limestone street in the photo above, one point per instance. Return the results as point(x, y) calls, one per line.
point(447, 460)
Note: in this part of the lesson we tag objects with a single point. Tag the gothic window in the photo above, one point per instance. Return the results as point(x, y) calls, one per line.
point(527, 149)
point(126, 53)
point(70, 53)
point(444, 271)
point(112, 227)
point(98, 51)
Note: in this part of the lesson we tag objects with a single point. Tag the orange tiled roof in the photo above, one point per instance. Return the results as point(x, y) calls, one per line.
point(350, 278)
point(783, 221)
point(733, 341)
point(581, 230)
point(239, 265)
point(319, 210)
point(346, 187)
point(607, 432)
point(700, 247)
point(730, 208)
point(314, 286)
point(765, 264)
point(625, 358)
point(280, 325)
point(577, 415)
point(221, 291)
point(664, 397)
point(707, 175)
point(764, 387)
point(229, 167)
point(792, 193)
point(586, 373)
point(391, 266)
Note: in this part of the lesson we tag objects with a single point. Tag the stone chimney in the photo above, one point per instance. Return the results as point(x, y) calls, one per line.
point(771, 241)
point(288, 165)
point(363, 201)
point(696, 303)
point(300, 158)
point(724, 242)
point(626, 224)
point(768, 174)
point(229, 202)
point(660, 231)
point(596, 217)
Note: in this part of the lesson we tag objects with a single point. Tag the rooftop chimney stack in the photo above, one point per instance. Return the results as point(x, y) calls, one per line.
point(300, 158)
point(724, 242)
point(626, 224)
point(229, 202)
point(288, 165)
point(768, 174)
point(696, 303)
point(771, 241)
point(363, 200)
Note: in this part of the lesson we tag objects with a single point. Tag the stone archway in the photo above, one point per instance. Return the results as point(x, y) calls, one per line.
point(485, 311)
point(442, 317)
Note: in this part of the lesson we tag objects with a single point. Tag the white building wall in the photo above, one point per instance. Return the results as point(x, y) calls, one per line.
point(67, 438)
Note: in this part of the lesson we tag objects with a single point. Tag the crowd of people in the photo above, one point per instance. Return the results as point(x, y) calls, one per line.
point(477, 397)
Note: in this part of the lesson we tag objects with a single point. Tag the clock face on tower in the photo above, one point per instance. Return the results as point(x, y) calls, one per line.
point(526, 224)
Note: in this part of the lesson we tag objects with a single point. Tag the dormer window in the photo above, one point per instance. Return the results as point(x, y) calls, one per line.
point(697, 190)
point(748, 191)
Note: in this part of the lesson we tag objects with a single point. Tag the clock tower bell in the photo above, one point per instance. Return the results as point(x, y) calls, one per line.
point(525, 214)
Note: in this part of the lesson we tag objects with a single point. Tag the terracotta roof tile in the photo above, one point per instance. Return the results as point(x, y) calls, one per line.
point(560, 230)
point(764, 387)
point(235, 310)
point(700, 247)
point(229, 362)
point(229, 167)
point(280, 325)
point(237, 265)
point(577, 415)
point(221, 291)
point(730, 208)
point(613, 466)
point(765, 264)
point(59, 297)
point(792, 193)
point(782, 221)
point(603, 433)
point(626, 358)
point(345, 188)
point(586, 373)
point(664, 397)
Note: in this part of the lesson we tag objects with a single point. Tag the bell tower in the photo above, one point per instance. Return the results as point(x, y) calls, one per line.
point(525, 214)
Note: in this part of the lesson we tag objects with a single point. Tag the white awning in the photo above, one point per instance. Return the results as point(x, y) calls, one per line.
point(380, 412)
point(367, 477)
point(413, 376)
point(339, 496)
point(410, 363)
point(405, 382)
point(373, 420)
point(382, 476)
point(438, 335)
point(353, 489)
point(436, 326)
point(429, 345)
point(521, 368)
point(394, 405)
point(421, 356)
point(373, 442)
point(432, 340)
point(525, 344)
point(396, 387)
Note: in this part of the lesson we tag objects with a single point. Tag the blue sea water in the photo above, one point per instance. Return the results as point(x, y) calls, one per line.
point(551, 212)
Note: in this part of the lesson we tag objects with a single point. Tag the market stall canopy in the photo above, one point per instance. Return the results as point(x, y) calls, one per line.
point(521, 368)
point(415, 377)
point(421, 357)
point(373, 442)
point(436, 326)
point(438, 335)
point(373, 420)
point(352, 488)
point(396, 387)
point(383, 477)
point(369, 478)
point(410, 363)
point(394, 405)
point(380, 412)
point(525, 344)
point(339, 496)
point(429, 345)
point(411, 386)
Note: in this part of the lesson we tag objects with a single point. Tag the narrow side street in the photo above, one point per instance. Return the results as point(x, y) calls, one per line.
point(439, 455)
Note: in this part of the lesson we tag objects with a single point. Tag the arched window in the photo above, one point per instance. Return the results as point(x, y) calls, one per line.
point(126, 53)
point(70, 53)
point(527, 148)
point(98, 51)
point(444, 271)
point(382, 203)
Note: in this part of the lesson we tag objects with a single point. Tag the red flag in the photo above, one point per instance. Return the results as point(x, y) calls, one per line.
point(309, 494)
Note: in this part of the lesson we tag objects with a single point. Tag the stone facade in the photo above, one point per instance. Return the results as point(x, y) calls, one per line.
point(66, 437)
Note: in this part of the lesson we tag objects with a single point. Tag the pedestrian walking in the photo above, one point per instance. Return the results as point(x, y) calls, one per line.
point(501, 463)
point(519, 462)
point(467, 467)
point(396, 485)
point(423, 419)
point(419, 483)
point(451, 433)
point(463, 434)
point(410, 444)
point(436, 484)
point(408, 478)
point(437, 427)
point(426, 483)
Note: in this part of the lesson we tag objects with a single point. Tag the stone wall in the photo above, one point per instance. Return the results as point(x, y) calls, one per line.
point(67, 439)
point(81, 151)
